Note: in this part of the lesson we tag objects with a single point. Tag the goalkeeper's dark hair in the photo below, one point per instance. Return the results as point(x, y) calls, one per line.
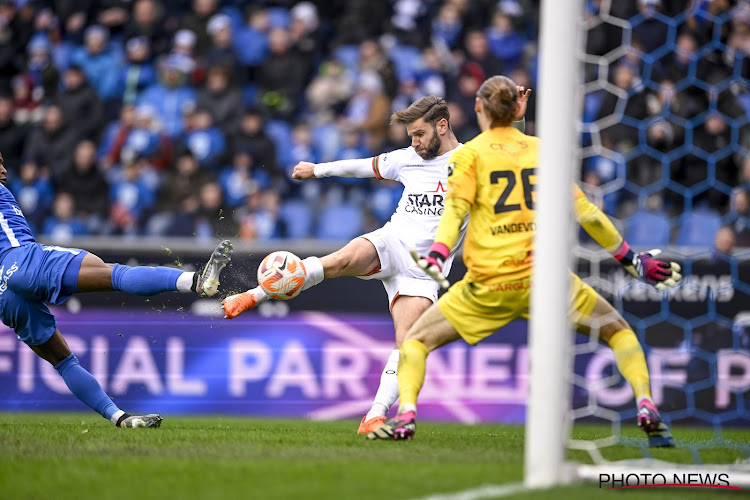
point(431, 108)
point(500, 97)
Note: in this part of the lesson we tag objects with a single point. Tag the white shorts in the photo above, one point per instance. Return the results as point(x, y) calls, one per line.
point(398, 271)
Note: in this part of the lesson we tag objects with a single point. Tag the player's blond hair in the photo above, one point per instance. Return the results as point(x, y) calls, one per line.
point(500, 96)
point(432, 108)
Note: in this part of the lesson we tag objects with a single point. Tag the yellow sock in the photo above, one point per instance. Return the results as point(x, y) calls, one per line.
point(411, 369)
point(631, 362)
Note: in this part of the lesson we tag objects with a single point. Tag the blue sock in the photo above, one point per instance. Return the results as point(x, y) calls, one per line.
point(144, 280)
point(85, 387)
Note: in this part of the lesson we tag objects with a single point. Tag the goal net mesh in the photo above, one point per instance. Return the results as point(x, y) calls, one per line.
point(664, 152)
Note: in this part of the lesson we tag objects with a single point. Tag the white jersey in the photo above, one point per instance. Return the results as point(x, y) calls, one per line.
point(416, 219)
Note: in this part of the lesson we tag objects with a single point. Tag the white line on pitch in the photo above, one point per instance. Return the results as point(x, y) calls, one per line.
point(486, 491)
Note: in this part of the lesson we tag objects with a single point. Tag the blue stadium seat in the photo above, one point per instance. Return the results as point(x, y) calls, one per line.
point(647, 229)
point(280, 133)
point(340, 222)
point(349, 56)
point(698, 228)
point(406, 59)
point(297, 217)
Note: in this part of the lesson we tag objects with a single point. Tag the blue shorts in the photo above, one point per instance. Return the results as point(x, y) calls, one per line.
point(31, 275)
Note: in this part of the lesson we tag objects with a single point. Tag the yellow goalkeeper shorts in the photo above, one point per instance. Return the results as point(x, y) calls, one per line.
point(477, 311)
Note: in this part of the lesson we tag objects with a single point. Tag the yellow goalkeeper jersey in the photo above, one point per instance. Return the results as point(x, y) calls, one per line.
point(495, 173)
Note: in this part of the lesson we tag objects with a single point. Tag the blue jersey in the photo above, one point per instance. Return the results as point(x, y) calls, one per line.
point(15, 230)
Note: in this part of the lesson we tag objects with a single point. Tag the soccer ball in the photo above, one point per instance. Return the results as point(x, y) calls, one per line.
point(281, 275)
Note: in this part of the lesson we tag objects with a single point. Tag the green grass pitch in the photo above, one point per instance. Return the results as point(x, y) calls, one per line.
point(81, 456)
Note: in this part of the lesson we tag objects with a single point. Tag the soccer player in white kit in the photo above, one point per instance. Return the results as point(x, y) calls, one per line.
point(384, 254)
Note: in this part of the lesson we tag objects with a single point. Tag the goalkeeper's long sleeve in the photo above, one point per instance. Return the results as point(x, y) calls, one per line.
point(452, 220)
point(345, 168)
point(596, 223)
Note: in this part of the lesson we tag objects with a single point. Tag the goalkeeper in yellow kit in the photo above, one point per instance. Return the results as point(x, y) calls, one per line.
point(491, 179)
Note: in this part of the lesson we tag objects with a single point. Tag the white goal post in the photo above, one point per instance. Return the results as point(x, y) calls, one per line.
point(549, 334)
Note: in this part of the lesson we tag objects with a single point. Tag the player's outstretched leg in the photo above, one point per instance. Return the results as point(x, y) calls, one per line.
point(208, 281)
point(236, 304)
point(94, 275)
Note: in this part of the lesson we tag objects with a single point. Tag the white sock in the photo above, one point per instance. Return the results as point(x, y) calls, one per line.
point(388, 390)
point(114, 418)
point(405, 408)
point(259, 294)
point(314, 270)
point(185, 282)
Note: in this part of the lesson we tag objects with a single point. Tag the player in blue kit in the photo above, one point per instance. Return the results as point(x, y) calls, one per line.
point(32, 274)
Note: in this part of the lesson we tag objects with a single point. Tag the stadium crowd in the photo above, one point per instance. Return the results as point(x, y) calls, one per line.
point(180, 118)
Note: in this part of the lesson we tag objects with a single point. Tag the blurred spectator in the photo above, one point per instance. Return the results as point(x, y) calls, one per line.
point(505, 43)
point(12, 136)
point(359, 20)
point(47, 25)
point(138, 73)
point(259, 218)
point(478, 51)
point(651, 30)
point(464, 127)
point(464, 93)
point(432, 75)
point(214, 220)
point(221, 51)
point(11, 44)
point(131, 197)
point(113, 15)
point(741, 215)
point(63, 225)
point(281, 77)
point(302, 147)
point(98, 62)
point(397, 138)
point(81, 106)
point(446, 26)
point(50, 144)
point(241, 179)
point(186, 180)
point(251, 40)
point(724, 241)
point(405, 21)
point(44, 75)
point(33, 192)
point(330, 90)
point(171, 97)
point(183, 55)
point(251, 137)
point(372, 58)
point(196, 20)
point(147, 21)
point(304, 33)
point(623, 136)
point(370, 109)
point(27, 104)
point(205, 141)
point(88, 187)
point(222, 99)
